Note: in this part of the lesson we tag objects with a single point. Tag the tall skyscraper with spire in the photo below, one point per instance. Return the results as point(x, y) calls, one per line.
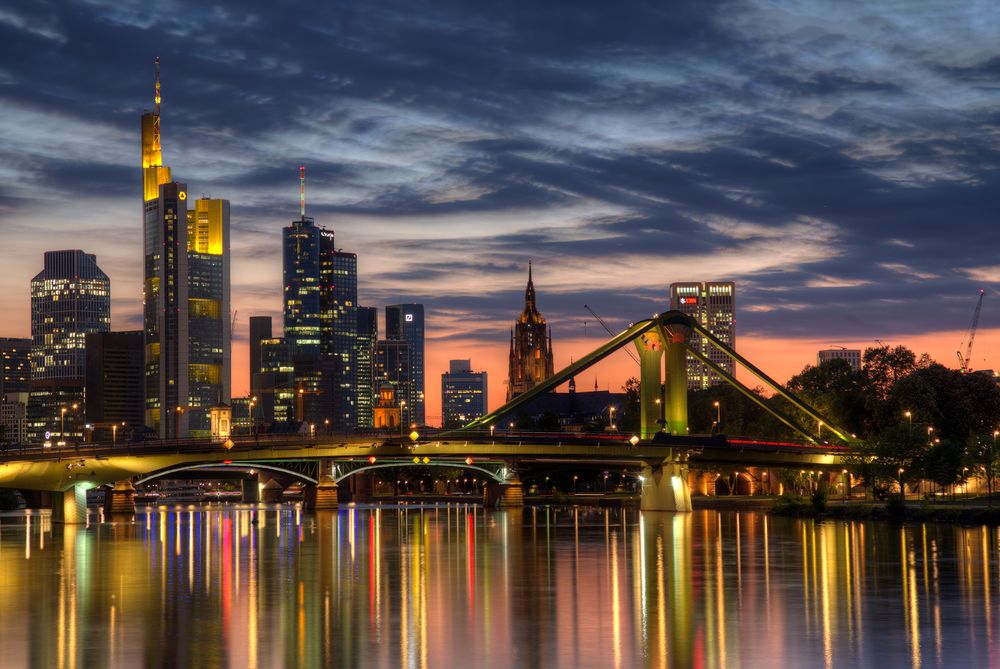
point(321, 328)
point(185, 296)
point(530, 347)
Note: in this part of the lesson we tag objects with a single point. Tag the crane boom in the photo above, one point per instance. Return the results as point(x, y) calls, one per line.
point(966, 360)
point(608, 330)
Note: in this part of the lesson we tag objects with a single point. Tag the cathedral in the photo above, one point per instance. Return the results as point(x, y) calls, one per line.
point(530, 347)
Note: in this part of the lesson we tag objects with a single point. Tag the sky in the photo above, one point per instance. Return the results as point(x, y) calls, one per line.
point(838, 160)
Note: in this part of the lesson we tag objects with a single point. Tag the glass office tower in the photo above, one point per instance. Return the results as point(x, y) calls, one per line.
point(405, 322)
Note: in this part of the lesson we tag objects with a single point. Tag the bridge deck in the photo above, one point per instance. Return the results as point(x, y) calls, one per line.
point(97, 464)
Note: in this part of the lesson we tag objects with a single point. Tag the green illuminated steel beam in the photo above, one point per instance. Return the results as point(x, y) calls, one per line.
point(565, 374)
point(771, 383)
point(751, 395)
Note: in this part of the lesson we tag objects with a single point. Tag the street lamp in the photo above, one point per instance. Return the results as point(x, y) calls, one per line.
point(846, 484)
point(909, 419)
point(574, 483)
point(718, 414)
point(62, 424)
point(819, 429)
point(177, 423)
point(492, 428)
point(114, 435)
point(402, 407)
point(902, 490)
point(611, 416)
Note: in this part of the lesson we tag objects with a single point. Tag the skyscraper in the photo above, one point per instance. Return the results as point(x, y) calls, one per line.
point(405, 322)
point(530, 360)
point(185, 296)
point(15, 366)
point(463, 394)
point(70, 298)
point(365, 356)
point(321, 292)
point(209, 361)
point(114, 382)
point(393, 366)
point(713, 304)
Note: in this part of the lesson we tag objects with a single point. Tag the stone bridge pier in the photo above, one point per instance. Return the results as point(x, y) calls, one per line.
point(665, 484)
point(69, 506)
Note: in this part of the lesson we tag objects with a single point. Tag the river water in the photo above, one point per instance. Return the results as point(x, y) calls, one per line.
point(457, 586)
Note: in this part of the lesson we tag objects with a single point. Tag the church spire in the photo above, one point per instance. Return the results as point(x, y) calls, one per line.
point(530, 304)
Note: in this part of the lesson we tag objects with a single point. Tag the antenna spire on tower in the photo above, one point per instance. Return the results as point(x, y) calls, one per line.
point(302, 191)
point(156, 64)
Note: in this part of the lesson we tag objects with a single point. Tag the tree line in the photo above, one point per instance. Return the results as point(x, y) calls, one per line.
point(914, 418)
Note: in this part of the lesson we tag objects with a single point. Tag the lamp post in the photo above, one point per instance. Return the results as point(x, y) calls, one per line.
point(402, 407)
point(902, 488)
point(62, 424)
point(177, 423)
point(718, 414)
point(611, 416)
point(114, 435)
point(819, 429)
point(909, 420)
point(846, 484)
point(253, 423)
point(574, 483)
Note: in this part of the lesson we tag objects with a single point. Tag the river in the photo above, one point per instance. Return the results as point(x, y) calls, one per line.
point(457, 586)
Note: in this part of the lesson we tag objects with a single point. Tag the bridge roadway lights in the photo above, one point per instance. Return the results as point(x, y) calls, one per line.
point(69, 507)
point(121, 499)
point(665, 486)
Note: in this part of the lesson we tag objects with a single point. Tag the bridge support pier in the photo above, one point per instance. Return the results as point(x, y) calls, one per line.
point(511, 492)
point(69, 507)
point(121, 499)
point(273, 492)
point(665, 486)
point(326, 494)
point(251, 490)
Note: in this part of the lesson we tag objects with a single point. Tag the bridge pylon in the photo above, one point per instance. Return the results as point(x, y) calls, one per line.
point(665, 485)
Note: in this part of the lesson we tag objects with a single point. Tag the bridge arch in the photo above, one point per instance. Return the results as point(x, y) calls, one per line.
point(342, 473)
point(220, 465)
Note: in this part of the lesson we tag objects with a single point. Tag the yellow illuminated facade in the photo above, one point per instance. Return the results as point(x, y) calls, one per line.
point(186, 296)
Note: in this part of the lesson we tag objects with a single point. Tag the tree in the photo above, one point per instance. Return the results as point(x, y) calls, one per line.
point(884, 366)
point(895, 454)
point(835, 390)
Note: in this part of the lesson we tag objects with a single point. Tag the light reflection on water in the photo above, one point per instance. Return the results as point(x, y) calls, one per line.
point(459, 586)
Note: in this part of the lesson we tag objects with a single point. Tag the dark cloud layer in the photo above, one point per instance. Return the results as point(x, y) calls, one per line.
point(838, 160)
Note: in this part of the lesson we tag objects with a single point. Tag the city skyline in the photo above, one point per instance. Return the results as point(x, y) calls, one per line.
point(834, 158)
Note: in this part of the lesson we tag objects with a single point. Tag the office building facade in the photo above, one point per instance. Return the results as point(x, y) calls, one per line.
point(463, 394)
point(70, 298)
point(713, 305)
point(365, 357)
point(851, 355)
point(405, 322)
point(115, 386)
point(394, 366)
point(15, 367)
point(320, 302)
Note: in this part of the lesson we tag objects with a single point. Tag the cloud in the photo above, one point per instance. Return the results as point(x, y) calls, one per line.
point(841, 167)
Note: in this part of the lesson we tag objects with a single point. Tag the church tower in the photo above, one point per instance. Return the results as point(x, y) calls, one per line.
point(530, 347)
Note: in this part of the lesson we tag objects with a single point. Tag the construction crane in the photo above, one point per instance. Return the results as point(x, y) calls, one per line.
point(965, 360)
point(232, 325)
point(605, 326)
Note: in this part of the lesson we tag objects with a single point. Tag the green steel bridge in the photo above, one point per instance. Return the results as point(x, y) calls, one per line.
point(662, 449)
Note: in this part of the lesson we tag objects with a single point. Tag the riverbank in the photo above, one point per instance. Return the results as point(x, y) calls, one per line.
point(975, 511)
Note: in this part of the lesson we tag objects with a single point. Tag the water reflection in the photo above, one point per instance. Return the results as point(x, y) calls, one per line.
point(540, 587)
